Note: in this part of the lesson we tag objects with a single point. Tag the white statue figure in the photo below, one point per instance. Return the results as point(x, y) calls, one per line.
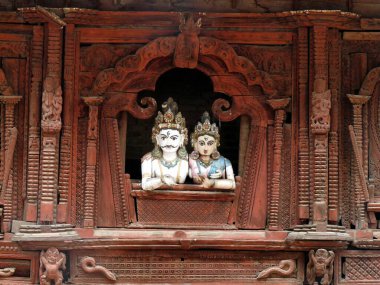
point(168, 162)
point(207, 166)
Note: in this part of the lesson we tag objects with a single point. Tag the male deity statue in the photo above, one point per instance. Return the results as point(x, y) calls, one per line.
point(167, 164)
point(207, 166)
point(52, 262)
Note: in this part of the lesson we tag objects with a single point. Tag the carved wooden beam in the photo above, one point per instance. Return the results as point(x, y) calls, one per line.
point(358, 172)
point(278, 105)
point(91, 160)
point(7, 191)
point(88, 265)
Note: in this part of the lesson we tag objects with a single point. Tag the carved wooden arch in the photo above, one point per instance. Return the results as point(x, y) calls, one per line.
point(121, 84)
point(370, 81)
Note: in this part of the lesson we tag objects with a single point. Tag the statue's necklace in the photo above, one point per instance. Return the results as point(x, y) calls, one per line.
point(204, 163)
point(169, 164)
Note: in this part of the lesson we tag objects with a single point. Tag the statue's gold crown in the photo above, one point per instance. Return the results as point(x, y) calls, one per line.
point(169, 119)
point(204, 127)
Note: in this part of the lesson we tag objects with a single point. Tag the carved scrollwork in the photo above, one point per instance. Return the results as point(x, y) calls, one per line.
point(120, 102)
point(224, 110)
point(88, 265)
point(284, 269)
point(320, 117)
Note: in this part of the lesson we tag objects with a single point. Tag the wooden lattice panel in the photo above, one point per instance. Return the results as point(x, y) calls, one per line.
point(182, 266)
point(182, 212)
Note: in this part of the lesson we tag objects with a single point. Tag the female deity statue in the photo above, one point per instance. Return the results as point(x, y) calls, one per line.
point(207, 166)
point(167, 163)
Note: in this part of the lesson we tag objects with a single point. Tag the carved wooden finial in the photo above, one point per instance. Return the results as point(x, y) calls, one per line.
point(187, 45)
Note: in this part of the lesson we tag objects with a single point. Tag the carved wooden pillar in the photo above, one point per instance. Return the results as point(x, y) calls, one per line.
point(91, 161)
point(304, 178)
point(278, 105)
point(320, 126)
point(334, 85)
point(9, 102)
point(358, 101)
point(34, 126)
point(51, 125)
point(64, 184)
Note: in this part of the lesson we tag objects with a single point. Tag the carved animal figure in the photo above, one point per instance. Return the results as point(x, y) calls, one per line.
point(88, 265)
point(320, 265)
point(284, 268)
point(52, 262)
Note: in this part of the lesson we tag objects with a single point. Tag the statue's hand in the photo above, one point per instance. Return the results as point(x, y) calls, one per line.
point(198, 179)
point(208, 183)
point(168, 180)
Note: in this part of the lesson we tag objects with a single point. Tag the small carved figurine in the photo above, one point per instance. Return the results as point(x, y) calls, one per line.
point(51, 101)
point(168, 162)
point(320, 265)
point(207, 166)
point(52, 262)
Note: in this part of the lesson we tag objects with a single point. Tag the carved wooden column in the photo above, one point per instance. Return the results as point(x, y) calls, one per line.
point(64, 184)
point(91, 160)
point(320, 126)
point(358, 101)
point(9, 102)
point(51, 125)
point(304, 178)
point(334, 85)
point(278, 105)
point(34, 126)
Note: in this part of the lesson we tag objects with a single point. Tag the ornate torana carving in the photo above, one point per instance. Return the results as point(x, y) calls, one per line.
point(88, 265)
point(187, 46)
point(284, 269)
point(320, 265)
point(51, 104)
point(52, 262)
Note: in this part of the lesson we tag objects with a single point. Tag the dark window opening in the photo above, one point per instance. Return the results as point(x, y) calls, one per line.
point(193, 91)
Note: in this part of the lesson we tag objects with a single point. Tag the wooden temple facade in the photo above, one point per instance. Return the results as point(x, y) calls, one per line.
point(295, 89)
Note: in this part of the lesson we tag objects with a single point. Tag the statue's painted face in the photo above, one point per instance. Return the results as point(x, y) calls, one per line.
point(169, 140)
point(206, 145)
